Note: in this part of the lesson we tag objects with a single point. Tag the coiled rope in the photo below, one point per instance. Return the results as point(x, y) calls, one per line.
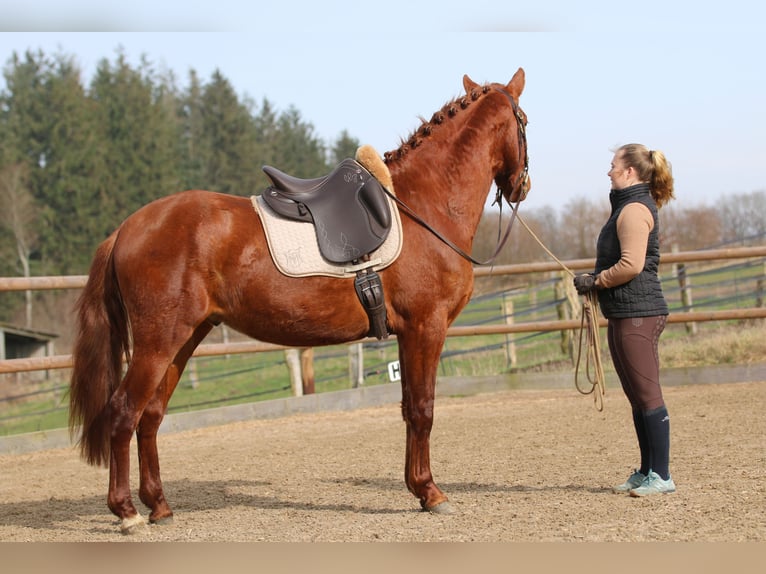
point(594, 370)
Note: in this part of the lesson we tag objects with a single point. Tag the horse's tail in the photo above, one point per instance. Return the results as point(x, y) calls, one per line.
point(102, 340)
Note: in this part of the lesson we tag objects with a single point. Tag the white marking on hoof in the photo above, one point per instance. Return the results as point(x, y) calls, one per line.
point(133, 524)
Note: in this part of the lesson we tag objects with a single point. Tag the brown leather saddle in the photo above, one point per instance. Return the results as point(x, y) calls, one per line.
point(348, 207)
point(351, 217)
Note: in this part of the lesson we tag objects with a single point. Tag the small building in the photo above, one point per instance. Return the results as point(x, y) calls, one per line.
point(21, 343)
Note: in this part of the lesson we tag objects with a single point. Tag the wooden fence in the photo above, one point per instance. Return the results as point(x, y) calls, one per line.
point(690, 317)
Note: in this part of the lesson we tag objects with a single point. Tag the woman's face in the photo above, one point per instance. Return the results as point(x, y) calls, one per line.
point(620, 176)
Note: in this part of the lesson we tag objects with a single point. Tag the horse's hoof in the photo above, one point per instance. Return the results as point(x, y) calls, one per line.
point(442, 508)
point(163, 521)
point(133, 525)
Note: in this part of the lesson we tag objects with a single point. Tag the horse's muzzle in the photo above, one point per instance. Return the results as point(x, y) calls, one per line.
point(521, 191)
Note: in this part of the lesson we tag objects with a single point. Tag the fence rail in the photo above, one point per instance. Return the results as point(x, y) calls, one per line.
point(78, 281)
point(574, 264)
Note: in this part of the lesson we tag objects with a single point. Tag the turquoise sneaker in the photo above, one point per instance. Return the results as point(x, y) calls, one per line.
point(654, 484)
point(634, 480)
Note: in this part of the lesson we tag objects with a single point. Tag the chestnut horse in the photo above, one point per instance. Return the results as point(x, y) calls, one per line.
point(186, 262)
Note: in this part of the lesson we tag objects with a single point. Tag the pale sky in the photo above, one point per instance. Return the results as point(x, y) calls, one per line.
point(685, 78)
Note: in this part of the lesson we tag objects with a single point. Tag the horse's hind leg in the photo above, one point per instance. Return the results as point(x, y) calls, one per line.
point(150, 490)
point(127, 404)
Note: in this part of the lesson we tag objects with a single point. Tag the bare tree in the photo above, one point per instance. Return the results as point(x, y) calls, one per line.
point(690, 228)
point(744, 216)
point(19, 215)
point(581, 222)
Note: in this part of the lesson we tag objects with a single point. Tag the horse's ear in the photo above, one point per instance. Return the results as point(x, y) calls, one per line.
point(516, 85)
point(469, 84)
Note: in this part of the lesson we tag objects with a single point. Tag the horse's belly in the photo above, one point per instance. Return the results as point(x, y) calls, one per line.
point(314, 313)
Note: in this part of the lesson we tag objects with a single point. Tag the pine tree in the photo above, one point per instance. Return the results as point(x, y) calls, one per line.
point(49, 125)
point(227, 142)
point(344, 146)
point(138, 126)
point(299, 151)
point(191, 138)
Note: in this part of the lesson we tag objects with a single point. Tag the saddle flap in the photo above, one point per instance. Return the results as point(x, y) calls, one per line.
point(373, 198)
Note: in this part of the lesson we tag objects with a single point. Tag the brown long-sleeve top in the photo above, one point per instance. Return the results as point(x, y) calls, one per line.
point(633, 227)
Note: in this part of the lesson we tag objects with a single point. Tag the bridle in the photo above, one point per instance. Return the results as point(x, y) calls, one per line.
point(521, 183)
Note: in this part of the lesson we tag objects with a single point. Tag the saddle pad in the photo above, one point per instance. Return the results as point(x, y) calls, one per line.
point(295, 251)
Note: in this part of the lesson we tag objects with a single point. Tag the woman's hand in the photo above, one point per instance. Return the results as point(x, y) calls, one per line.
point(585, 283)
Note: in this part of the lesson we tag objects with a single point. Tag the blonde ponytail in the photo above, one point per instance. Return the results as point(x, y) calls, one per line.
point(662, 178)
point(652, 167)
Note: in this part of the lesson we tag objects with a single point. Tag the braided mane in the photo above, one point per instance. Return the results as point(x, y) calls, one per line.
point(447, 111)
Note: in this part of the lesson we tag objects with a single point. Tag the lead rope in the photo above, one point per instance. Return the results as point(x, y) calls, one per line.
point(594, 370)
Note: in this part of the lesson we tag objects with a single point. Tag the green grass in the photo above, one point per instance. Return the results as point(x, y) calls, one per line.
point(718, 344)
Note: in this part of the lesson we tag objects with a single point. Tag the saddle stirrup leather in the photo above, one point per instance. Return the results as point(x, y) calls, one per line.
point(369, 289)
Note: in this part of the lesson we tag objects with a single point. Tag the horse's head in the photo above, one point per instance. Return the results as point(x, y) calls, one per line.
point(512, 178)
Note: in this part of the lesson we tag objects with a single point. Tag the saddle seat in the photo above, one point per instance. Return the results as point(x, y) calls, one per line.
point(294, 186)
point(348, 208)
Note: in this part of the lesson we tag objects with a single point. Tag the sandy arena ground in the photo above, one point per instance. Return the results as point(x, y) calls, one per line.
point(519, 466)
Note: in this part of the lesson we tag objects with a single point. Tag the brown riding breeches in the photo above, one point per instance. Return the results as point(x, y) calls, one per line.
point(633, 345)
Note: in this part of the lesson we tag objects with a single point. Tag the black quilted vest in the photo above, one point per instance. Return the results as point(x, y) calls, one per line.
point(641, 296)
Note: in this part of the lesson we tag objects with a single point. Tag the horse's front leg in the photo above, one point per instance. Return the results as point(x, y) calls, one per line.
point(419, 358)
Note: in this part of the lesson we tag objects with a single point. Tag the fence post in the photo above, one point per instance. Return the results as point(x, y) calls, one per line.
point(307, 370)
point(575, 309)
point(225, 336)
point(563, 311)
point(292, 358)
point(193, 373)
point(759, 290)
point(356, 365)
point(679, 270)
point(510, 345)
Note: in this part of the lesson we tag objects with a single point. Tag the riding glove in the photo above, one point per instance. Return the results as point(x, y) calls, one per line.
point(585, 283)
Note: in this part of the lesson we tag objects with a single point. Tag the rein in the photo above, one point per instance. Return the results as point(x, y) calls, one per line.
point(588, 325)
point(500, 243)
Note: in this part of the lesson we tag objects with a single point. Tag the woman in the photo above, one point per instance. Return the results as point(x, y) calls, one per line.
point(630, 297)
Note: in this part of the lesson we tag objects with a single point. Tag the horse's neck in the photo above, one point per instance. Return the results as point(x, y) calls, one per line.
point(444, 189)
